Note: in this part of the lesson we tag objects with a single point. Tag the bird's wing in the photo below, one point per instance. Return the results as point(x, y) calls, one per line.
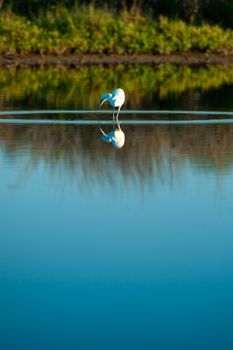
point(118, 98)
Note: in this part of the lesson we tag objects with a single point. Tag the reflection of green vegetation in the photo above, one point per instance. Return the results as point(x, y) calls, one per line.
point(151, 153)
point(88, 29)
point(81, 87)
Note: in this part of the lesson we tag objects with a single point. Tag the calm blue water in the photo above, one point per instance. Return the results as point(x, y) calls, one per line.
point(104, 248)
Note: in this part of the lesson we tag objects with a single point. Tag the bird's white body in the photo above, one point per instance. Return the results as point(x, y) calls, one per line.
point(118, 98)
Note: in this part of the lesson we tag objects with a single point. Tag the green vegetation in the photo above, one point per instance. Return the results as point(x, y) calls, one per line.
point(91, 30)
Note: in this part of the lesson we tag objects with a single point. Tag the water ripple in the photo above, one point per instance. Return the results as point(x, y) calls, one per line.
point(109, 122)
point(126, 111)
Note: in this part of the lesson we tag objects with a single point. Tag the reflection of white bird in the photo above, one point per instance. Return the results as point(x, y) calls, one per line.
point(115, 99)
point(116, 137)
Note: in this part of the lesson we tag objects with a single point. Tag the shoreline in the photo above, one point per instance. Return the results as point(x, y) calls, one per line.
point(191, 59)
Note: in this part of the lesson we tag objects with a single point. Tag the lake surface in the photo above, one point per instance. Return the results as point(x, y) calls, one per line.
point(105, 248)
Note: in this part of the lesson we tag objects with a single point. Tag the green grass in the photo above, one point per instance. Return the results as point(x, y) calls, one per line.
point(89, 30)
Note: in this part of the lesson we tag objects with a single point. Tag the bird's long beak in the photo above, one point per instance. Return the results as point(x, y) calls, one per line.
point(102, 102)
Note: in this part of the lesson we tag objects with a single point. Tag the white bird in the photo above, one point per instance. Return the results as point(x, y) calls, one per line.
point(115, 99)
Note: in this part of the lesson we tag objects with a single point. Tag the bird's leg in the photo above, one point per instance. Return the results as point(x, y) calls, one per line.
point(113, 117)
point(118, 113)
point(118, 125)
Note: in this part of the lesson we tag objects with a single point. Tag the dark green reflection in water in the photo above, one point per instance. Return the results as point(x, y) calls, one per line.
point(151, 153)
point(146, 86)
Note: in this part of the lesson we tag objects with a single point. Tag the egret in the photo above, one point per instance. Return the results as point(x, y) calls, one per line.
point(115, 99)
point(116, 136)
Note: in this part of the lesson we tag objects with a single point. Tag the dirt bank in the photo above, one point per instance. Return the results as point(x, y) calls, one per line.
point(72, 60)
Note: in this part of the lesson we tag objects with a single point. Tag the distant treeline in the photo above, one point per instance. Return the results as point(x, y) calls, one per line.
point(213, 11)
